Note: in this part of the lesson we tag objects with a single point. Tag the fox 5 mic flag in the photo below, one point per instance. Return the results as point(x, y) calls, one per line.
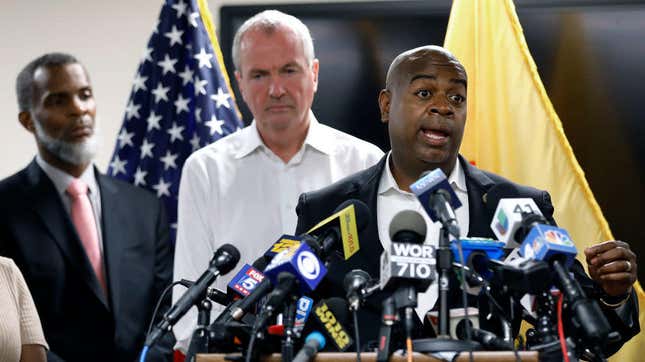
point(180, 101)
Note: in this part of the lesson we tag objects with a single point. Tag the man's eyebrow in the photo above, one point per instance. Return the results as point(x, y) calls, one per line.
point(433, 77)
point(459, 81)
point(423, 76)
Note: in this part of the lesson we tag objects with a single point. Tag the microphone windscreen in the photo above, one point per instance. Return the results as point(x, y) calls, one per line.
point(226, 263)
point(261, 263)
point(361, 210)
point(408, 220)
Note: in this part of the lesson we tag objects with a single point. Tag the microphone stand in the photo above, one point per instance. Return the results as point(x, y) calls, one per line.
point(287, 341)
point(443, 342)
point(200, 341)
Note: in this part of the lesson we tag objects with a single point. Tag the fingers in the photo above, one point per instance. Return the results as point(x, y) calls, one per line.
point(609, 251)
point(619, 266)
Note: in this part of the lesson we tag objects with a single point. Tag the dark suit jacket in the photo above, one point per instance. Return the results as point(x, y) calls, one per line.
point(316, 205)
point(79, 322)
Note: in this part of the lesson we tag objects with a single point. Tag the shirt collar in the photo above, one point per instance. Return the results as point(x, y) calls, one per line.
point(316, 138)
point(457, 178)
point(62, 179)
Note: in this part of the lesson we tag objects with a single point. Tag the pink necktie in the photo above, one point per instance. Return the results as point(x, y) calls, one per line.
point(83, 219)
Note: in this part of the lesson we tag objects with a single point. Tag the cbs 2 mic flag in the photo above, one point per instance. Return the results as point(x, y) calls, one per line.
point(180, 101)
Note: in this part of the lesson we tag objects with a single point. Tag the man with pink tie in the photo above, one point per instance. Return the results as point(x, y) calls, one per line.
point(93, 250)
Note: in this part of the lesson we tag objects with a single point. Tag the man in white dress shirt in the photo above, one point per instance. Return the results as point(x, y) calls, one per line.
point(243, 189)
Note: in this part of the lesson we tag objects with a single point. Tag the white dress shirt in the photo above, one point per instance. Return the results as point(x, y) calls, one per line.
point(391, 199)
point(238, 191)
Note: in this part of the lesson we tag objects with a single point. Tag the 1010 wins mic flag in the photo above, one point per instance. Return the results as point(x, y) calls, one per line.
point(180, 101)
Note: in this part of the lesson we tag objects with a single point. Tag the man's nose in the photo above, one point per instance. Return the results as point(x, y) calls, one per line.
point(79, 106)
point(276, 88)
point(441, 106)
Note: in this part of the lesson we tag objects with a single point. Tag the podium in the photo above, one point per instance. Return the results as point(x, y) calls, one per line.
point(479, 356)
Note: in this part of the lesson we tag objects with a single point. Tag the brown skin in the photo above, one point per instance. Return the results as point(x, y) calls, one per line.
point(33, 353)
point(608, 265)
point(278, 85)
point(424, 106)
point(425, 109)
point(64, 104)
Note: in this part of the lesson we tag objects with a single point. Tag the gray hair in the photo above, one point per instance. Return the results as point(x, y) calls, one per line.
point(269, 21)
point(25, 79)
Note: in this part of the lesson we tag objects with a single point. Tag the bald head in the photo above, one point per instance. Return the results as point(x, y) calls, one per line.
point(406, 63)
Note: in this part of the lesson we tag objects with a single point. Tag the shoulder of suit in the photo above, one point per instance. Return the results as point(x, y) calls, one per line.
point(125, 189)
point(347, 185)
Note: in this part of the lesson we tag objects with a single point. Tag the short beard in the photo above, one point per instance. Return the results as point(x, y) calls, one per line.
point(77, 154)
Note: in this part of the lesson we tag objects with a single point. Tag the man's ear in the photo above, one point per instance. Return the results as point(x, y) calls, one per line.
point(315, 67)
point(384, 104)
point(240, 84)
point(26, 121)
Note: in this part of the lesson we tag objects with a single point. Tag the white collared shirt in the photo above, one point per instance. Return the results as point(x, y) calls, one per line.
point(391, 199)
point(62, 179)
point(238, 191)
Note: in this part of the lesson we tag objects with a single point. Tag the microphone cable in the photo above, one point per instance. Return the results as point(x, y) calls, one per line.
point(563, 341)
point(142, 357)
point(464, 298)
point(357, 335)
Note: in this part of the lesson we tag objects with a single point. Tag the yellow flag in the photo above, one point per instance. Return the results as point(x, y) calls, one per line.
point(512, 127)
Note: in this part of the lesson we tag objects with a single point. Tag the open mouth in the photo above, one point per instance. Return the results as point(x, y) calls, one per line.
point(434, 137)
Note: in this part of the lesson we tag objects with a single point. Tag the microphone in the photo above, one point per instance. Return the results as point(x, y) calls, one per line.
point(285, 242)
point(224, 260)
point(406, 259)
point(438, 199)
point(477, 253)
point(286, 283)
point(349, 218)
point(554, 245)
point(357, 284)
point(245, 281)
point(509, 215)
point(487, 339)
point(300, 262)
point(331, 315)
point(240, 307)
point(303, 309)
point(314, 342)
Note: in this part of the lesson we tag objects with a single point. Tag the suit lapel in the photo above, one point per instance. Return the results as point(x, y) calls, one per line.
point(366, 190)
point(480, 213)
point(113, 234)
point(46, 203)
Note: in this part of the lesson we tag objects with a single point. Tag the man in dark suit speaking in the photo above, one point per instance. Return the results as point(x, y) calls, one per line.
point(94, 251)
point(424, 105)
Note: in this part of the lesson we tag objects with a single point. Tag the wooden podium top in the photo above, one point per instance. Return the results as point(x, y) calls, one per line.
point(371, 357)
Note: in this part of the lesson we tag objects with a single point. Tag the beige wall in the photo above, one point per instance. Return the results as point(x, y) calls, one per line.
point(107, 36)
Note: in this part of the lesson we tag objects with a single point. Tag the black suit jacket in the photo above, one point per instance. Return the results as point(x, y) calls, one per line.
point(79, 322)
point(314, 206)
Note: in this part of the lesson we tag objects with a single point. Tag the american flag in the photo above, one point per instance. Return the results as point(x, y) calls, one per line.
point(180, 101)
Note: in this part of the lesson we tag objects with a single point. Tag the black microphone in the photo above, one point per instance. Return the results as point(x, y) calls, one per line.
point(329, 232)
point(224, 260)
point(284, 288)
point(314, 342)
point(487, 339)
point(355, 283)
